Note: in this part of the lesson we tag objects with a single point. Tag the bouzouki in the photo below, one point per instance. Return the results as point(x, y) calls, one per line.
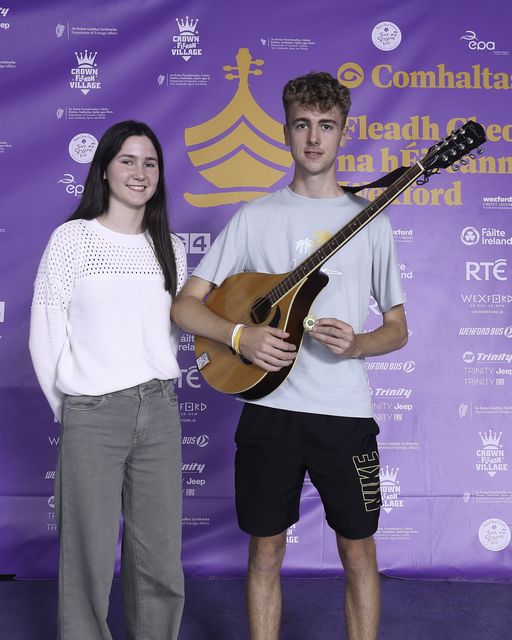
point(283, 300)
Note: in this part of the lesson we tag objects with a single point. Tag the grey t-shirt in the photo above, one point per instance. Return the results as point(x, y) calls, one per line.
point(274, 234)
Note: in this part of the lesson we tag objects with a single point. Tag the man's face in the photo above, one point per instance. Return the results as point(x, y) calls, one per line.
point(314, 138)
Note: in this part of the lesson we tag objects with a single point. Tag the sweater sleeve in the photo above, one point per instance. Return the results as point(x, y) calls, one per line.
point(180, 256)
point(48, 322)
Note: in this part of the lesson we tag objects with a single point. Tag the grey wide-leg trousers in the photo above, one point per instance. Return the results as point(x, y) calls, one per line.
point(120, 453)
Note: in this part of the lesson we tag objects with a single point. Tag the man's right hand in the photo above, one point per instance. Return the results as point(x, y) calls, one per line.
point(266, 347)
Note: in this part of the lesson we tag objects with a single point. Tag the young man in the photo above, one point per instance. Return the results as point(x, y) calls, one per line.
point(319, 419)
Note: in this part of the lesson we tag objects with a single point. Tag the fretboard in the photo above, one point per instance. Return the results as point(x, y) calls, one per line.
point(334, 244)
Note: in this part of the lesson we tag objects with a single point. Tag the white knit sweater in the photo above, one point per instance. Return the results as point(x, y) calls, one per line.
point(100, 314)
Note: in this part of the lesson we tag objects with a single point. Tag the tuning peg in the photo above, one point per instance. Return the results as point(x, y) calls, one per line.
point(472, 156)
point(479, 151)
point(444, 158)
point(463, 161)
point(455, 167)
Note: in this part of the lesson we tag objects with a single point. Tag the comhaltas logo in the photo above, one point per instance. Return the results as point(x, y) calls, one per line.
point(385, 76)
point(351, 75)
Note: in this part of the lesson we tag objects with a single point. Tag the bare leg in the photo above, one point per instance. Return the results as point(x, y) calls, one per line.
point(264, 586)
point(362, 590)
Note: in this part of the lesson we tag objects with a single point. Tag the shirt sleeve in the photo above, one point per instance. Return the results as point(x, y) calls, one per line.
point(386, 283)
point(48, 321)
point(180, 257)
point(228, 253)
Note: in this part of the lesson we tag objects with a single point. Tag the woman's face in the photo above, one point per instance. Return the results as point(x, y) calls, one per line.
point(132, 175)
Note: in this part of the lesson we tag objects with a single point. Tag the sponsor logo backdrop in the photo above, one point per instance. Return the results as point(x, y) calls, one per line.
point(209, 82)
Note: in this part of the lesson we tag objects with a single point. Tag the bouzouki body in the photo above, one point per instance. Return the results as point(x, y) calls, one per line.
point(239, 299)
point(284, 300)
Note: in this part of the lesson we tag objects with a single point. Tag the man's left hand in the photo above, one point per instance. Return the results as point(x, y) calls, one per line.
point(337, 336)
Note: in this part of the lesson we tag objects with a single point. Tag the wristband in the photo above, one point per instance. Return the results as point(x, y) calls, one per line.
point(236, 329)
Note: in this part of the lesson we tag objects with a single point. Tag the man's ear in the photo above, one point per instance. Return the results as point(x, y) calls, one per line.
point(285, 132)
point(344, 136)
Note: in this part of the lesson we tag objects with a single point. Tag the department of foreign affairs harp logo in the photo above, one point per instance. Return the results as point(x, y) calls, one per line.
point(241, 150)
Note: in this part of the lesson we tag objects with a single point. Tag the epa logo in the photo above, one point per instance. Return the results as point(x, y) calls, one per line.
point(478, 45)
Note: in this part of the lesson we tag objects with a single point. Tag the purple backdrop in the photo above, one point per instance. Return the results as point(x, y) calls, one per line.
point(209, 82)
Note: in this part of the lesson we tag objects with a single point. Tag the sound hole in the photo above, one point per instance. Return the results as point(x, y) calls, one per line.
point(260, 310)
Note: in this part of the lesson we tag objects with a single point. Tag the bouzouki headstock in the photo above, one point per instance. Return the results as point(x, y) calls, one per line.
point(455, 146)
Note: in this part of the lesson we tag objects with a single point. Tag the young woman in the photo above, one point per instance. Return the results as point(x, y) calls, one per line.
point(104, 352)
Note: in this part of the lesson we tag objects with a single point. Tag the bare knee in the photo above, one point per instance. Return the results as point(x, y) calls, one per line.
point(357, 556)
point(266, 554)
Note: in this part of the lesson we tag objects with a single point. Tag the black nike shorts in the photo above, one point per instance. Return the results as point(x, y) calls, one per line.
point(275, 448)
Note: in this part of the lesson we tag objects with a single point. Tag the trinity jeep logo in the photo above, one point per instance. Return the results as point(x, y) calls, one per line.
point(85, 75)
point(477, 45)
point(386, 36)
point(367, 467)
point(494, 534)
point(487, 235)
point(491, 456)
point(188, 481)
point(82, 147)
point(390, 489)
point(389, 392)
point(186, 43)
point(470, 357)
